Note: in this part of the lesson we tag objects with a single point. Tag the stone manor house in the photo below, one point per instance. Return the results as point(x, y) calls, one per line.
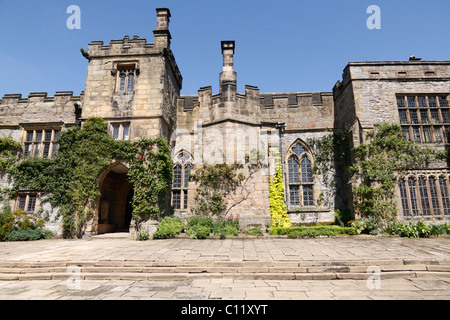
point(135, 87)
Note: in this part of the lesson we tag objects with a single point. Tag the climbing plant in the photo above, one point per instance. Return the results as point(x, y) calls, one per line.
point(71, 179)
point(215, 183)
point(378, 163)
point(278, 209)
point(151, 174)
point(9, 149)
point(332, 159)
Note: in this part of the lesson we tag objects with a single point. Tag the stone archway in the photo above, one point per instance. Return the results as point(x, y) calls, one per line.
point(114, 209)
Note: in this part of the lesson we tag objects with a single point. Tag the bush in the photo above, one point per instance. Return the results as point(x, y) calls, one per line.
point(254, 231)
point(229, 230)
point(418, 229)
point(226, 226)
point(18, 226)
point(368, 225)
point(199, 232)
point(26, 235)
point(169, 227)
point(199, 220)
point(314, 231)
point(143, 235)
point(342, 217)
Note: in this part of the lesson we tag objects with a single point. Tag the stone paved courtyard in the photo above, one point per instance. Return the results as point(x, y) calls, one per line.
point(279, 251)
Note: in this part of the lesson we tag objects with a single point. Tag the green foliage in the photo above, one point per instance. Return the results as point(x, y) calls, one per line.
point(215, 183)
point(332, 159)
point(254, 231)
point(278, 209)
point(71, 178)
point(418, 229)
point(9, 148)
point(18, 226)
point(367, 225)
point(151, 174)
point(199, 232)
point(143, 235)
point(342, 217)
point(226, 226)
point(377, 165)
point(313, 231)
point(169, 227)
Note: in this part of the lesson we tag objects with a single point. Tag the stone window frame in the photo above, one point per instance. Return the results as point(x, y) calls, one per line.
point(28, 198)
point(122, 133)
point(300, 190)
point(431, 200)
point(127, 69)
point(180, 183)
point(40, 144)
point(425, 118)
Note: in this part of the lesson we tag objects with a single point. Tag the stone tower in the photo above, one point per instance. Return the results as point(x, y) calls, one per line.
point(134, 85)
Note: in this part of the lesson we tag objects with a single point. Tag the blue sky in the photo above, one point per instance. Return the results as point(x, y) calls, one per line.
point(281, 46)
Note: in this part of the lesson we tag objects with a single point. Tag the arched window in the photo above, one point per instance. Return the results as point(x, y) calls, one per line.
point(181, 174)
point(300, 176)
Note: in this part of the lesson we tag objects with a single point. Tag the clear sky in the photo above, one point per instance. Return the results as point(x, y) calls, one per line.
point(281, 46)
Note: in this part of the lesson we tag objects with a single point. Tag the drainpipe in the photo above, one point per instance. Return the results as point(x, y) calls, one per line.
point(281, 126)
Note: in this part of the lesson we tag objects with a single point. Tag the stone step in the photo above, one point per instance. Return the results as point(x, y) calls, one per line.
point(185, 270)
point(241, 276)
point(196, 269)
point(404, 263)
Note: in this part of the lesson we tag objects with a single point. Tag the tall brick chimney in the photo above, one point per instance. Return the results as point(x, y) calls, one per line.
point(228, 76)
point(161, 33)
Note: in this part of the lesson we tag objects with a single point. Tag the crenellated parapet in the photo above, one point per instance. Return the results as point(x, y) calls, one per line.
point(38, 107)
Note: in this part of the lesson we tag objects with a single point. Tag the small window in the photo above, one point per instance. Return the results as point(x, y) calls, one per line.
point(121, 131)
point(27, 203)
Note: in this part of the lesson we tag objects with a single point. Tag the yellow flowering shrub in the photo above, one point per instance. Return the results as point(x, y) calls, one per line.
point(278, 209)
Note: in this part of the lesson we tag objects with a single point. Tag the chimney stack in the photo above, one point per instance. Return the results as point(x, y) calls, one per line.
point(161, 33)
point(228, 76)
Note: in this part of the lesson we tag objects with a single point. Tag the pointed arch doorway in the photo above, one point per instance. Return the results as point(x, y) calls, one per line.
point(114, 204)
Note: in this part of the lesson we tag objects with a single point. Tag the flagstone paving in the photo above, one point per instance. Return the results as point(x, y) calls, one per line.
point(281, 252)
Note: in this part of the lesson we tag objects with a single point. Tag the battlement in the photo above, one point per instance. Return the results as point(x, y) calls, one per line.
point(135, 45)
point(125, 46)
point(16, 98)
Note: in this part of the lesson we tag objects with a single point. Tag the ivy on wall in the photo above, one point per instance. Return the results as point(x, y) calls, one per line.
point(332, 159)
point(71, 179)
point(215, 183)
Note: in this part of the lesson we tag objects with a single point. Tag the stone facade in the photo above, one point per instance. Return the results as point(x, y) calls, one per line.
point(135, 86)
